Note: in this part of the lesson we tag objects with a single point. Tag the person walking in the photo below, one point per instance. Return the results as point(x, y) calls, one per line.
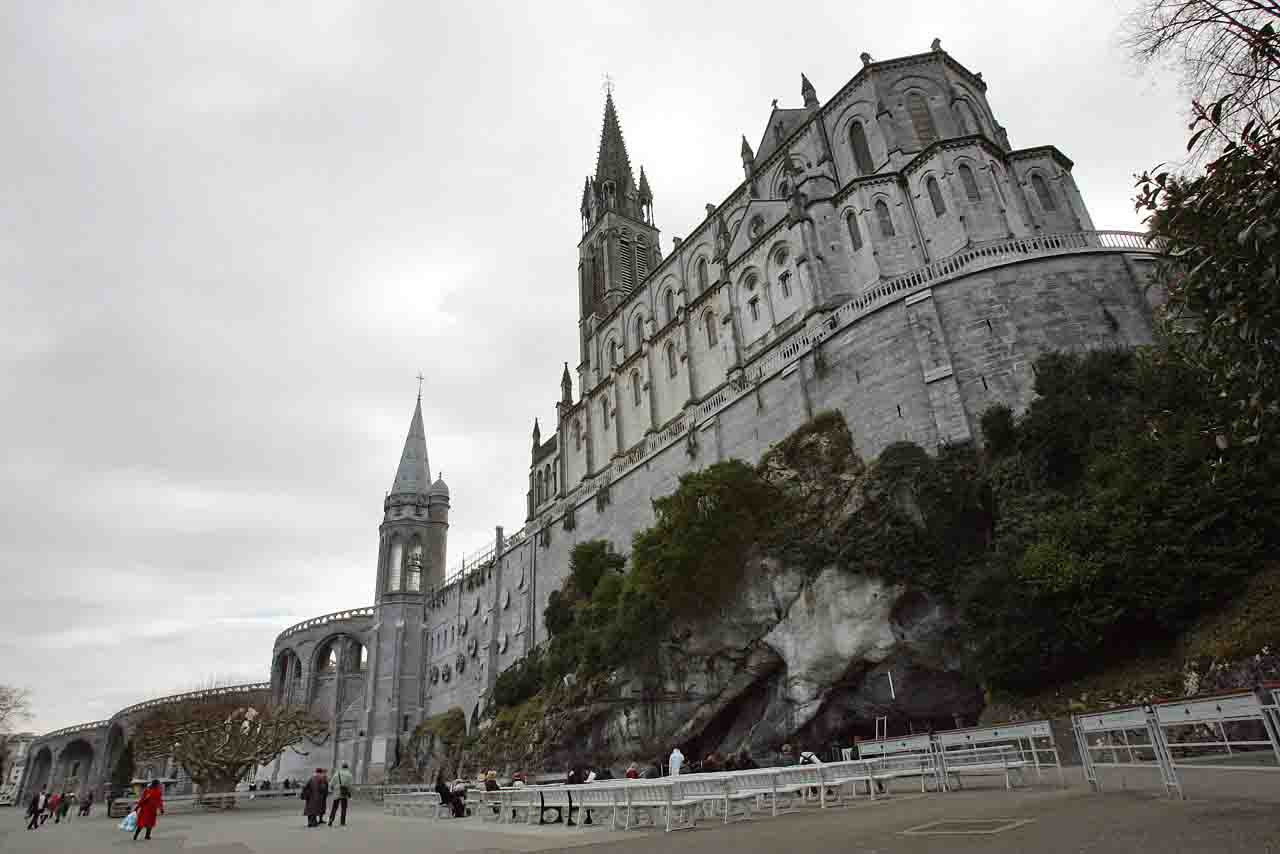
point(342, 781)
point(35, 808)
point(64, 806)
point(314, 795)
point(149, 806)
point(675, 761)
point(87, 807)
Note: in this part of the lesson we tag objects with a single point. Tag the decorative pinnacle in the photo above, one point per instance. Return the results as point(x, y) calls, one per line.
point(807, 91)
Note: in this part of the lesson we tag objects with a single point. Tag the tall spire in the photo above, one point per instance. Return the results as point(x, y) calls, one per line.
point(413, 477)
point(612, 163)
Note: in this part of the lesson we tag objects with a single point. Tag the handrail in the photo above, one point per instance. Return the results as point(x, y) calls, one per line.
point(348, 614)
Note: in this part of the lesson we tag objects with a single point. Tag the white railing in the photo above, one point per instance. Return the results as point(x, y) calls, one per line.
point(883, 294)
point(349, 614)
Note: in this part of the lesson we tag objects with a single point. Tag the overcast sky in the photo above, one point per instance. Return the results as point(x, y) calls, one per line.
point(231, 234)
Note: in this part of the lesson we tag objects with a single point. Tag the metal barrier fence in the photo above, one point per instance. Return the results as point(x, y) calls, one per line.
point(1238, 731)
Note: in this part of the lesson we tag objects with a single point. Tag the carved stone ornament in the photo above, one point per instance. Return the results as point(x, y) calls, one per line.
point(435, 675)
point(460, 664)
point(445, 673)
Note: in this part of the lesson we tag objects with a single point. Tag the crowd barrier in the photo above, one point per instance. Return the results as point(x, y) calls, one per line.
point(1236, 731)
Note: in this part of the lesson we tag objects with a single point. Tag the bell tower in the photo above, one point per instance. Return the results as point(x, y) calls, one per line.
point(619, 243)
point(415, 524)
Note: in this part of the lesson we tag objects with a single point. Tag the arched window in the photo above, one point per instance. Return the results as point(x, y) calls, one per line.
point(540, 495)
point(329, 658)
point(710, 320)
point(395, 563)
point(702, 275)
point(970, 183)
point(1043, 194)
point(921, 118)
point(613, 354)
point(935, 196)
point(604, 412)
point(669, 303)
point(413, 569)
point(672, 364)
point(635, 387)
point(855, 236)
point(625, 260)
point(886, 220)
point(577, 435)
point(639, 332)
point(861, 152)
point(642, 259)
point(968, 121)
point(784, 190)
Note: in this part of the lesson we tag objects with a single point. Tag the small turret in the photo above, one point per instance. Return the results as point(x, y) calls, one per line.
point(748, 156)
point(537, 435)
point(566, 387)
point(646, 194)
point(439, 489)
point(807, 92)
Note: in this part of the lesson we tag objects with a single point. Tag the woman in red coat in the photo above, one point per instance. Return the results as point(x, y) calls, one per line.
point(151, 803)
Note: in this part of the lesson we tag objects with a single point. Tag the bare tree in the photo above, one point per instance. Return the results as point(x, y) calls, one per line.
point(15, 705)
point(219, 741)
point(1228, 52)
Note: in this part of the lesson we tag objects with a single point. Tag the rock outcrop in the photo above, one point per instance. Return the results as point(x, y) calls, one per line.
point(803, 653)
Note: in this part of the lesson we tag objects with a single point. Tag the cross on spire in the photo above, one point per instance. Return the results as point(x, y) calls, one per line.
point(420, 379)
point(608, 84)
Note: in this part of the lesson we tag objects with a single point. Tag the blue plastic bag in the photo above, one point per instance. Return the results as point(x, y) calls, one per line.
point(130, 822)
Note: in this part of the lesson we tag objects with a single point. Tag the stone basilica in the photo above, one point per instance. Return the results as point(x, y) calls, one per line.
point(888, 254)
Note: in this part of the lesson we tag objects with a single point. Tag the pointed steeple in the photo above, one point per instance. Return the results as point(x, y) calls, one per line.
point(413, 477)
point(566, 387)
point(807, 91)
point(612, 163)
point(646, 194)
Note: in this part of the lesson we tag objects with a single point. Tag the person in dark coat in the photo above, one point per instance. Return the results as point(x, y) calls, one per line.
point(35, 808)
point(315, 794)
point(457, 803)
point(149, 805)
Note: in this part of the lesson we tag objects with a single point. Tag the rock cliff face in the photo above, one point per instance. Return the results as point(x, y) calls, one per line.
point(812, 654)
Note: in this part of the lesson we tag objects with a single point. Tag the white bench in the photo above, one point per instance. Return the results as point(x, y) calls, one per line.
point(800, 784)
point(848, 773)
point(515, 804)
point(654, 797)
point(909, 756)
point(594, 801)
point(750, 790)
point(999, 761)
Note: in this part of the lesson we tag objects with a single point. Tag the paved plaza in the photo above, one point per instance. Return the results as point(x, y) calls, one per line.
point(1224, 813)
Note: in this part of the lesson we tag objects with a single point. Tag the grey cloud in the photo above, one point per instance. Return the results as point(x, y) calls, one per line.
point(232, 233)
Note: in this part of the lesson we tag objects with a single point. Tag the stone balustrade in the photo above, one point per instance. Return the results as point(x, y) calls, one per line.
point(789, 350)
point(336, 616)
point(202, 694)
point(69, 730)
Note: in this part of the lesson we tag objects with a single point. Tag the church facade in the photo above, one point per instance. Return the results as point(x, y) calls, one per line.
point(888, 255)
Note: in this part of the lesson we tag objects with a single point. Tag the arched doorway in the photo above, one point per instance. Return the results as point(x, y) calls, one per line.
point(75, 764)
point(116, 740)
point(41, 766)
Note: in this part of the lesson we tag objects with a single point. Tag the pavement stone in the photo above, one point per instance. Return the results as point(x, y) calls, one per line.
point(1232, 814)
